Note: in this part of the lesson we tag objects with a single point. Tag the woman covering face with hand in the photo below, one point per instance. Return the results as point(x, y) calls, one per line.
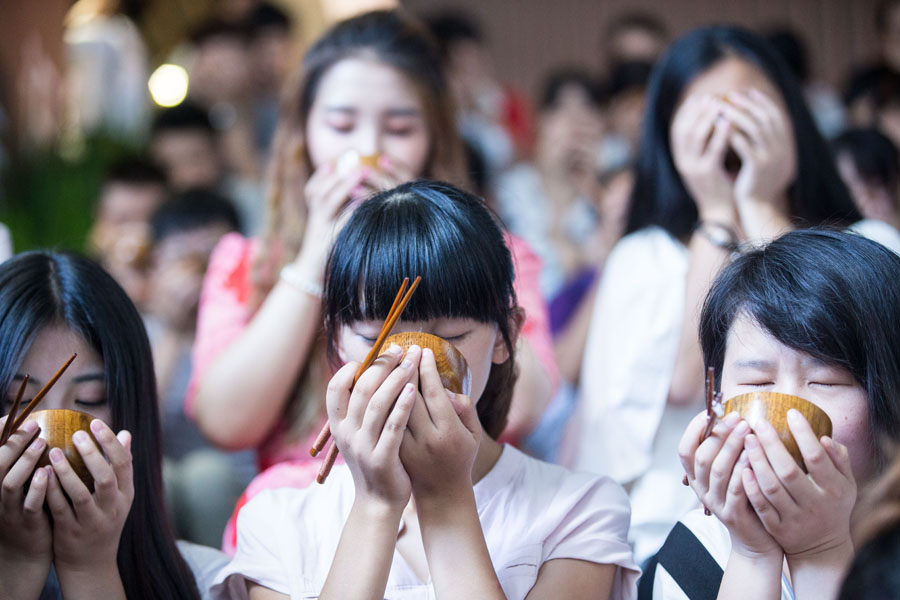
point(370, 110)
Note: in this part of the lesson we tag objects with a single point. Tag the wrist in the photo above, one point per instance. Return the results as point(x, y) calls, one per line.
point(445, 501)
point(378, 510)
point(718, 233)
point(839, 554)
point(301, 278)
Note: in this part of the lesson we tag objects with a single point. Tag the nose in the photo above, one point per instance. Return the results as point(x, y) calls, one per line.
point(368, 140)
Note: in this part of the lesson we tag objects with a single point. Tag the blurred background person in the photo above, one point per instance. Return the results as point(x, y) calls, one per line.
point(188, 148)
point(120, 237)
point(202, 483)
point(633, 37)
point(493, 118)
point(869, 164)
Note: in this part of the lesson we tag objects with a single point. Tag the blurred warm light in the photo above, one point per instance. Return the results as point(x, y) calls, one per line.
point(168, 85)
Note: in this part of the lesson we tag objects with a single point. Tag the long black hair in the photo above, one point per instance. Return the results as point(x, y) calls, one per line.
point(816, 196)
point(41, 289)
point(833, 295)
point(454, 242)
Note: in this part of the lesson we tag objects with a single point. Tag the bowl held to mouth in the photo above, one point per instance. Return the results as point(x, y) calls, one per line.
point(57, 427)
point(451, 364)
point(773, 407)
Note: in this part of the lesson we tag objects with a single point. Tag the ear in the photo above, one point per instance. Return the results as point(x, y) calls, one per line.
point(501, 351)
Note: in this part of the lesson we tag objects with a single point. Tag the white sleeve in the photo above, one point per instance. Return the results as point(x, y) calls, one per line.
point(629, 356)
point(595, 529)
point(260, 528)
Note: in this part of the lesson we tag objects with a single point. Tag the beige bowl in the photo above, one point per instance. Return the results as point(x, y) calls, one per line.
point(773, 407)
point(451, 364)
point(57, 427)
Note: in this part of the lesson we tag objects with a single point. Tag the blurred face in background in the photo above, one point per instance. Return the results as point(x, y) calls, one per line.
point(190, 158)
point(366, 106)
point(571, 129)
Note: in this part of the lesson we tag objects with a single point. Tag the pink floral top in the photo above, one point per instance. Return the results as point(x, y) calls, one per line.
point(224, 313)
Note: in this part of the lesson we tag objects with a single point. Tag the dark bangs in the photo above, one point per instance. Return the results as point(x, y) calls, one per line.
point(833, 295)
point(417, 230)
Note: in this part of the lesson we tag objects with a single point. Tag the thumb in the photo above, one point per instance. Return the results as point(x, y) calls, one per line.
point(465, 410)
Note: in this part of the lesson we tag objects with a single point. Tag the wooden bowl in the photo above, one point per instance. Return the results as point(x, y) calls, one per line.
point(773, 407)
point(451, 364)
point(57, 427)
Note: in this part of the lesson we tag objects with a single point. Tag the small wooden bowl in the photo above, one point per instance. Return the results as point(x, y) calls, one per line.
point(57, 427)
point(773, 407)
point(451, 364)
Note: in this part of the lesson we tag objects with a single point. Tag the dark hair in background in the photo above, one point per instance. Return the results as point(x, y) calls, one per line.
point(880, 84)
point(451, 27)
point(135, 171)
point(874, 574)
point(830, 294)
point(881, 15)
point(455, 243)
point(636, 20)
point(38, 289)
point(193, 209)
point(632, 75)
point(560, 79)
point(219, 28)
point(266, 17)
point(816, 196)
point(187, 116)
point(790, 48)
point(874, 156)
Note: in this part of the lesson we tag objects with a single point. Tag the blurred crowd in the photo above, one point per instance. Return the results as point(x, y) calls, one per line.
point(602, 180)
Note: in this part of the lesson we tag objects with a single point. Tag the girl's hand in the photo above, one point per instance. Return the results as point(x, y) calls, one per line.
point(807, 514)
point(327, 192)
point(714, 468)
point(699, 140)
point(368, 421)
point(442, 439)
point(764, 140)
point(389, 174)
point(25, 536)
point(86, 532)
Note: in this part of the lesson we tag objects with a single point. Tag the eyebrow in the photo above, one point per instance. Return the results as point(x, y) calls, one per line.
point(393, 112)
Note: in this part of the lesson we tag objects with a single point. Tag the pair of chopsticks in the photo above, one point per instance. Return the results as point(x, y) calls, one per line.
point(713, 408)
point(13, 422)
point(397, 308)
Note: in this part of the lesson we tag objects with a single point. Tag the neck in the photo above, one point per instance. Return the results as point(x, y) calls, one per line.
point(488, 454)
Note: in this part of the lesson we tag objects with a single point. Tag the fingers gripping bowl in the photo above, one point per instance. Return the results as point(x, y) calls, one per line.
point(57, 427)
point(451, 364)
point(773, 407)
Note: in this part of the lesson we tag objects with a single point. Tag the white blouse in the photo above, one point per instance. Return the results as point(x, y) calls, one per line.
point(530, 511)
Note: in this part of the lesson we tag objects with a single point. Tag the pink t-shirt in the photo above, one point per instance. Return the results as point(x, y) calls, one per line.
point(530, 512)
point(224, 313)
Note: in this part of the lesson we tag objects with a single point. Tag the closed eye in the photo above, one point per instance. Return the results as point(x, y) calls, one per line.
point(90, 401)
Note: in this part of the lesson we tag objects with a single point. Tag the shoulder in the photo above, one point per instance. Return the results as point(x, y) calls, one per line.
point(548, 498)
point(878, 231)
point(651, 245)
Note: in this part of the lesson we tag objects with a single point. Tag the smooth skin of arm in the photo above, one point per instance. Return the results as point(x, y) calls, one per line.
point(245, 390)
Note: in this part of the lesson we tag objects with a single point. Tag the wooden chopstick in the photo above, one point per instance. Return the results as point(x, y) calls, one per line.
point(10, 418)
point(323, 436)
point(40, 395)
point(392, 319)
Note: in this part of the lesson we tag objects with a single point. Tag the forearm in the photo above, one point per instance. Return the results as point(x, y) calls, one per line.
point(360, 570)
point(820, 575)
point(243, 393)
point(89, 582)
point(457, 554)
point(706, 260)
point(532, 392)
point(757, 577)
point(21, 581)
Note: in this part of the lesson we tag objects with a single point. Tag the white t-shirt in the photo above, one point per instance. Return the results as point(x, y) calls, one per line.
point(530, 511)
point(715, 538)
point(623, 428)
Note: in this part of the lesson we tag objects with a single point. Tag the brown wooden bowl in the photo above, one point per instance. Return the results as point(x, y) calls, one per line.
point(451, 364)
point(57, 427)
point(773, 407)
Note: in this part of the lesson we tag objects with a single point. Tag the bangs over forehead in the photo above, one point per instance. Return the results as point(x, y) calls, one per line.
point(445, 235)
